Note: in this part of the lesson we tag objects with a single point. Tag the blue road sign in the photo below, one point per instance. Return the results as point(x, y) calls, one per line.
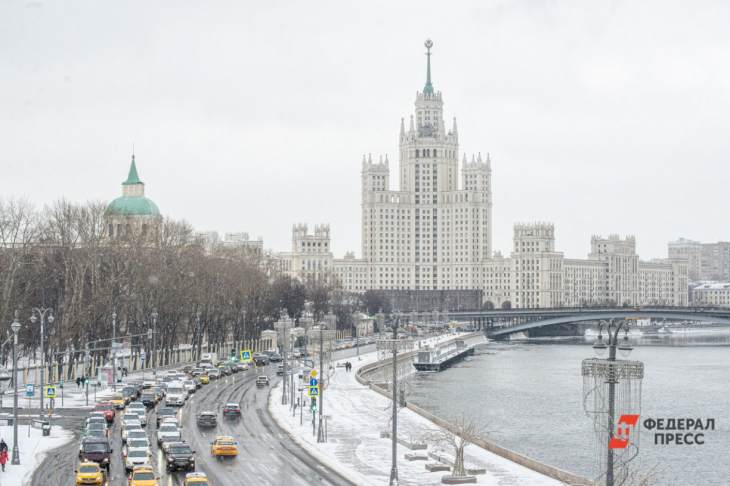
point(50, 391)
point(29, 390)
point(313, 382)
point(313, 391)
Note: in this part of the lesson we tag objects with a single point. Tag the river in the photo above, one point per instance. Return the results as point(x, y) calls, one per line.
point(527, 396)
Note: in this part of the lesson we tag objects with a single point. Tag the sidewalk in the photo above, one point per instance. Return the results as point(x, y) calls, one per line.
point(355, 448)
point(33, 450)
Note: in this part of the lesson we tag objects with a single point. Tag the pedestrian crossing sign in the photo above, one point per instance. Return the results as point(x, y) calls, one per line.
point(246, 356)
point(50, 391)
point(313, 391)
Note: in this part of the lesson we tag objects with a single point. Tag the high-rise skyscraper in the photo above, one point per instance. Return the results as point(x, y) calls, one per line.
point(432, 233)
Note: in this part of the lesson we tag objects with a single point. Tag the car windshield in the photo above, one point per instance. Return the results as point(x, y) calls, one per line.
point(181, 450)
point(96, 425)
point(143, 476)
point(137, 453)
point(226, 442)
point(168, 428)
point(137, 434)
point(166, 411)
point(95, 447)
point(137, 444)
point(88, 469)
point(103, 408)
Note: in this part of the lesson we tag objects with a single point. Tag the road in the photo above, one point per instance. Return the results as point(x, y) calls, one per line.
point(266, 454)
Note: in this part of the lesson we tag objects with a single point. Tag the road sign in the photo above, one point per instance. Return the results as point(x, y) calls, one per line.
point(29, 390)
point(50, 391)
point(246, 356)
point(313, 382)
point(313, 374)
point(313, 391)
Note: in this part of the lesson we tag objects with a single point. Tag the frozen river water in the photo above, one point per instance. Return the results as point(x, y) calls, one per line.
point(528, 397)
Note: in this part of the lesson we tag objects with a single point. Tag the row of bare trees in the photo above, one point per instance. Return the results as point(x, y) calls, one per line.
point(60, 257)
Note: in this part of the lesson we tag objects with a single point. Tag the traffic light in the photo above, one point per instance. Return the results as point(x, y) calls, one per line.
point(314, 404)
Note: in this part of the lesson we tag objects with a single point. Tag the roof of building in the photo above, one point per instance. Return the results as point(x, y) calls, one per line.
point(133, 177)
point(132, 206)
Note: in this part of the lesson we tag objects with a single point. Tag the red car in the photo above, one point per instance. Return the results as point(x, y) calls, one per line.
point(108, 410)
point(232, 410)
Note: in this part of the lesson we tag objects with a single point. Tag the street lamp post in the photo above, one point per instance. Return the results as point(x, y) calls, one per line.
point(394, 345)
point(613, 330)
point(114, 351)
point(154, 342)
point(283, 325)
point(15, 327)
point(42, 311)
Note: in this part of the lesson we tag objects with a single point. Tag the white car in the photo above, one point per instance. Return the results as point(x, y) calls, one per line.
point(189, 386)
point(176, 399)
point(136, 457)
point(170, 421)
point(129, 427)
point(136, 434)
point(138, 406)
point(168, 432)
point(136, 414)
point(140, 443)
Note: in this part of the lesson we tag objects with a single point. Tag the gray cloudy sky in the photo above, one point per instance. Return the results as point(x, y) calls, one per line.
point(249, 116)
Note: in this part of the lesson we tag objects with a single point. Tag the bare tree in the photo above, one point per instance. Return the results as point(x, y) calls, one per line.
point(463, 432)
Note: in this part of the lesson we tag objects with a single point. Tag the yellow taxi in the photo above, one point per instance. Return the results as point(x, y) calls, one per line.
point(118, 401)
point(196, 479)
point(224, 446)
point(143, 476)
point(89, 473)
point(204, 379)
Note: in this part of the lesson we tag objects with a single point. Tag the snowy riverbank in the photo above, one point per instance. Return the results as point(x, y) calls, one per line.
point(355, 448)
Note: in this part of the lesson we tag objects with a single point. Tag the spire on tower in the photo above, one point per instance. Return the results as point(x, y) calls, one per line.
point(402, 127)
point(463, 160)
point(428, 89)
point(370, 158)
point(411, 129)
point(133, 177)
point(454, 129)
point(479, 157)
point(386, 160)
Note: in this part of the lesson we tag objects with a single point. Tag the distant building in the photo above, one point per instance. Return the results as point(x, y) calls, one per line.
point(208, 239)
point(132, 214)
point(310, 258)
point(714, 294)
point(706, 261)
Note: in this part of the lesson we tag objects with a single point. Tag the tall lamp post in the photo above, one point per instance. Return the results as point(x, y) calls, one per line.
point(114, 351)
point(15, 327)
point(283, 325)
point(42, 311)
point(153, 351)
point(610, 373)
point(394, 345)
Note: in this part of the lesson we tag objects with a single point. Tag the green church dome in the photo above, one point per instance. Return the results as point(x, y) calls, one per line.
point(132, 206)
point(132, 202)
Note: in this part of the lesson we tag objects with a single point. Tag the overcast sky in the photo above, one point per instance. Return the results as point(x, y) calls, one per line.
point(602, 117)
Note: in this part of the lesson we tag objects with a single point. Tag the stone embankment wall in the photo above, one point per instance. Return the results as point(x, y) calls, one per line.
point(540, 467)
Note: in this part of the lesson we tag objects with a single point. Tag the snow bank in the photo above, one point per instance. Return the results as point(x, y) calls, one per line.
point(33, 450)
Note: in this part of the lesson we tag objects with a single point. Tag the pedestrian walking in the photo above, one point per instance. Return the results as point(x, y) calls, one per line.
point(78, 382)
point(3, 446)
point(3, 459)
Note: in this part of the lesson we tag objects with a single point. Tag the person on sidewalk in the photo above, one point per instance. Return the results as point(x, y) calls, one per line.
point(3, 446)
point(3, 459)
point(78, 382)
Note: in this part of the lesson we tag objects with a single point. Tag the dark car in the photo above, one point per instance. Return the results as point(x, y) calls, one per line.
point(165, 412)
point(207, 419)
point(149, 399)
point(261, 359)
point(179, 456)
point(96, 450)
point(232, 410)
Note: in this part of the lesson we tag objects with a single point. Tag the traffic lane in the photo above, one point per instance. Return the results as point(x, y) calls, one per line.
point(266, 453)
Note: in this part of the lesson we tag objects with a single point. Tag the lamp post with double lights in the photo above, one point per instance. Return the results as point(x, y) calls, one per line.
point(153, 351)
point(394, 345)
point(15, 327)
point(114, 351)
point(282, 326)
point(615, 371)
point(42, 311)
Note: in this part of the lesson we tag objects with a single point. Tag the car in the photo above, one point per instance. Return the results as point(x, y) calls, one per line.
point(118, 401)
point(187, 369)
point(139, 443)
point(179, 456)
point(140, 416)
point(197, 372)
point(224, 446)
point(189, 386)
point(214, 373)
point(168, 432)
point(148, 399)
point(260, 359)
point(165, 412)
point(170, 420)
point(204, 379)
point(175, 400)
point(89, 473)
point(136, 457)
point(136, 434)
point(100, 434)
point(207, 418)
point(129, 427)
point(143, 476)
point(96, 419)
point(242, 366)
point(232, 410)
point(159, 391)
point(137, 405)
point(96, 450)
point(262, 381)
point(107, 409)
point(224, 369)
point(148, 383)
point(97, 426)
point(275, 357)
point(129, 393)
point(196, 479)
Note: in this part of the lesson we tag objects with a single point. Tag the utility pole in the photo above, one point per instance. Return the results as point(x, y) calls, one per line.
point(154, 342)
point(114, 350)
point(42, 311)
point(15, 327)
point(320, 430)
point(86, 372)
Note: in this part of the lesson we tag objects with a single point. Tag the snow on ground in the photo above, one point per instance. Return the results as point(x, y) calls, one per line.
point(356, 450)
point(33, 450)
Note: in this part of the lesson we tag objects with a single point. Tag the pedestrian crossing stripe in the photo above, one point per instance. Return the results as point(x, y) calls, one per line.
point(313, 391)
